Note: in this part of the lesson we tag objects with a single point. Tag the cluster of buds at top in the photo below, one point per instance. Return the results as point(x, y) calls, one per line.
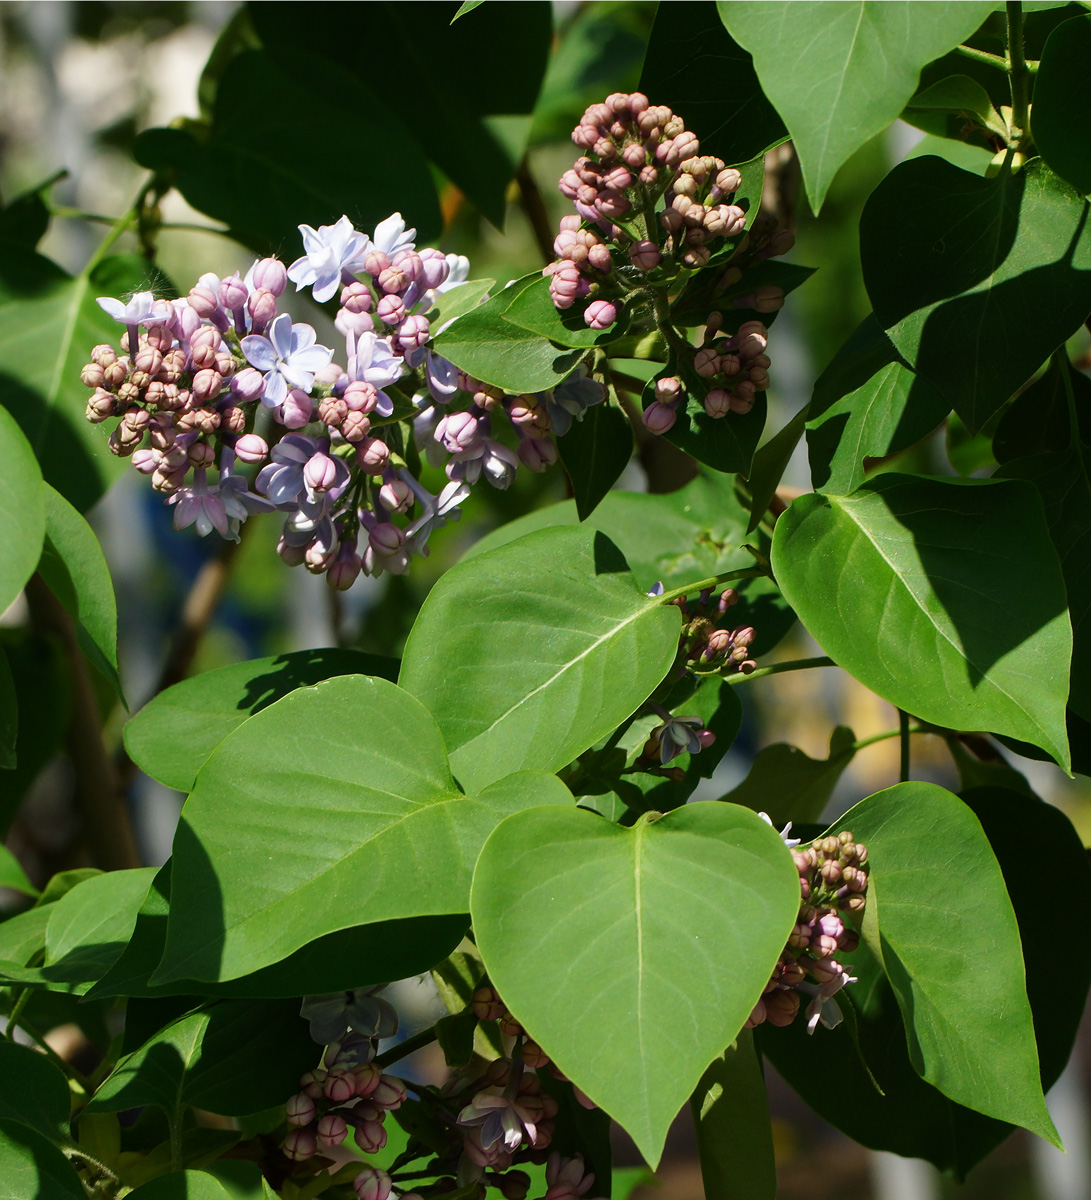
point(347, 1092)
point(708, 647)
point(833, 886)
point(232, 408)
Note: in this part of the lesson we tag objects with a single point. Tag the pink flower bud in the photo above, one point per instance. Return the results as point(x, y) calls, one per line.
point(355, 426)
point(104, 356)
point(297, 410)
point(293, 556)
point(356, 297)
point(600, 314)
point(393, 279)
point(367, 1077)
point(457, 431)
point(145, 460)
point(372, 1184)
point(92, 376)
point(204, 302)
point(320, 472)
point(201, 455)
point(718, 403)
point(537, 453)
point(618, 179)
point(396, 496)
point(207, 385)
point(742, 397)
point(332, 1130)
point(753, 338)
point(370, 1136)
point(659, 417)
point(345, 569)
point(360, 396)
point(612, 203)
point(318, 558)
point(270, 275)
point(412, 333)
point(263, 308)
point(434, 268)
point(644, 256)
point(390, 310)
point(410, 264)
point(332, 411)
point(668, 388)
point(205, 420)
point(781, 1007)
point(390, 1093)
point(599, 257)
point(348, 323)
point(386, 539)
point(233, 292)
point(168, 482)
point(372, 455)
point(706, 362)
point(299, 1109)
point(376, 262)
point(101, 406)
point(300, 1144)
point(251, 448)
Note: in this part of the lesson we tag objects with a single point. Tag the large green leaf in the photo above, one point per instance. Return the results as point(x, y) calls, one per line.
point(664, 933)
point(502, 353)
point(348, 782)
point(1062, 102)
point(232, 1057)
point(1064, 483)
point(49, 323)
point(182, 1185)
point(22, 510)
point(33, 1168)
point(241, 171)
point(35, 1092)
point(694, 65)
point(595, 451)
point(986, 262)
point(841, 72)
point(790, 785)
point(337, 962)
point(734, 1134)
point(475, 135)
point(908, 584)
point(867, 404)
point(172, 736)
point(949, 943)
point(530, 653)
point(74, 568)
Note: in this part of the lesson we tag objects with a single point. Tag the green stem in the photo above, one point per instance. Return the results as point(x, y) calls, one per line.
point(1075, 442)
point(121, 226)
point(714, 581)
point(1019, 76)
point(795, 664)
point(887, 734)
point(903, 758)
point(403, 1049)
point(983, 56)
point(21, 1001)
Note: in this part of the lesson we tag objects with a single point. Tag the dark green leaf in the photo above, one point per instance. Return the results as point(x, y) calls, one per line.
point(866, 404)
point(243, 170)
point(9, 715)
point(33, 1168)
point(949, 943)
point(36, 1093)
point(981, 264)
point(75, 570)
point(694, 65)
point(583, 647)
point(25, 219)
point(725, 444)
point(1062, 102)
point(674, 899)
point(375, 816)
point(455, 1034)
point(182, 1185)
point(907, 583)
point(734, 1134)
point(534, 309)
point(1036, 421)
point(769, 465)
point(232, 1057)
point(790, 786)
point(595, 451)
point(838, 74)
point(22, 510)
point(175, 732)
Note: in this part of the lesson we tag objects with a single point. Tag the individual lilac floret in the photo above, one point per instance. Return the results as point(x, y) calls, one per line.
point(333, 1014)
point(288, 357)
point(333, 252)
point(679, 735)
point(571, 398)
point(391, 236)
point(376, 363)
point(140, 310)
point(498, 1120)
point(282, 480)
point(458, 273)
point(790, 842)
point(199, 504)
point(438, 510)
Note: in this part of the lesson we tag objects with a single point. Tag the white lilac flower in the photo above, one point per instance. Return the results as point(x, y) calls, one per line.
point(442, 377)
point(199, 504)
point(823, 1007)
point(288, 357)
point(497, 1120)
point(571, 398)
point(391, 236)
point(142, 309)
point(375, 362)
point(791, 843)
point(332, 251)
point(332, 1015)
point(458, 273)
point(438, 510)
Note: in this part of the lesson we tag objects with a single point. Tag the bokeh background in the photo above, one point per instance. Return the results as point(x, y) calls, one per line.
point(78, 82)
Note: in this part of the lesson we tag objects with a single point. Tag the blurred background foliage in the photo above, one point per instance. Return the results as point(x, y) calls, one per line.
point(253, 118)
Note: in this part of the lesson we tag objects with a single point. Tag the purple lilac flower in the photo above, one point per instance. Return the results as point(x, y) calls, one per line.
point(198, 504)
point(497, 1119)
point(282, 479)
point(442, 377)
point(288, 357)
point(679, 736)
point(373, 361)
point(571, 398)
point(332, 1015)
point(438, 510)
point(458, 273)
point(790, 842)
point(333, 251)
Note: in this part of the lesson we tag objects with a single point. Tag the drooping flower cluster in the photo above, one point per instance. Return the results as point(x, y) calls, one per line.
point(221, 381)
point(348, 1091)
point(651, 212)
point(832, 884)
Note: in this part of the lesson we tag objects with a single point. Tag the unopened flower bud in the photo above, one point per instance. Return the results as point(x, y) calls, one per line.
point(204, 302)
point(781, 1007)
point(201, 455)
point(297, 409)
point(270, 275)
point(487, 1005)
point(390, 1093)
point(390, 310)
point(659, 417)
point(205, 420)
point(360, 396)
point(372, 1184)
point(396, 496)
point(233, 292)
point(332, 411)
point(600, 314)
point(263, 308)
point(644, 256)
point(320, 472)
point(386, 539)
point(376, 262)
point(668, 388)
point(115, 374)
point(537, 453)
point(339, 1085)
point(101, 406)
point(300, 1144)
point(145, 460)
point(232, 419)
point(251, 448)
point(92, 375)
point(105, 356)
point(434, 268)
point(707, 362)
point(332, 1130)
point(207, 385)
point(299, 1109)
point(355, 426)
point(370, 1137)
point(292, 556)
point(356, 297)
point(372, 455)
point(412, 333)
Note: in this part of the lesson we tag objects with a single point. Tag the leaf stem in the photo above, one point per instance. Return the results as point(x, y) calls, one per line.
point(403, 1049)
point(1075, 442)
point(713, 581)
point(887, 734)
point(1019, 76)
point(794, 664)
point(903, 734)
point(983, 56)
point(22, 999)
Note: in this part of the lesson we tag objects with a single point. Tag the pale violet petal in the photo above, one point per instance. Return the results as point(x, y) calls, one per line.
point(259, 352)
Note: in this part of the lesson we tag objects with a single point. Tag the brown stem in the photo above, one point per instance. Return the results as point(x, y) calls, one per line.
point(534, 207)
point(99, 798)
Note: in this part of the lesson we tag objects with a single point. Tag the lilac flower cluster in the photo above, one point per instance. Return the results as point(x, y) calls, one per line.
point(221, 381)
point(348, 1090)
point(832, 884)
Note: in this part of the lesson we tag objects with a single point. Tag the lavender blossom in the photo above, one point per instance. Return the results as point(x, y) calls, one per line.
point(333, 252)
point(288, 357)
point(391, 236)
